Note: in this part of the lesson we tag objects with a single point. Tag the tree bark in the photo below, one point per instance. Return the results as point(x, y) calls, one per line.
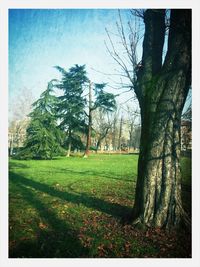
point(162, 90)
point(69, 145)
point(88, 144)
point(11, 146)
point(69, 149)
point(120, 134)
point(101, 137)
point(114, 129)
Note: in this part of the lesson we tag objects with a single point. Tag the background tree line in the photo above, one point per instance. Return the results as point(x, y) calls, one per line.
point(73, 114)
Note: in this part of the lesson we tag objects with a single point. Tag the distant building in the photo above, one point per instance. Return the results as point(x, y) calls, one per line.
point(186, 135)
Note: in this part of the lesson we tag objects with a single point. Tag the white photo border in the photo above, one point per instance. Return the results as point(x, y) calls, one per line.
point(5, 5)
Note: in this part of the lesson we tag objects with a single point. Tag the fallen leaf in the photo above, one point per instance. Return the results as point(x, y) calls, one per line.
point(42, 226)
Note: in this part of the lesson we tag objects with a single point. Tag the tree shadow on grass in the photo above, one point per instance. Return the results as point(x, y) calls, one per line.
point(17, 165)
point(114, 209)
point(86, 173)
point(54, 238)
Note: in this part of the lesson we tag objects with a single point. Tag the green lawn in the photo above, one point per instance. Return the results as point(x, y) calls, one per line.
point(72, 207)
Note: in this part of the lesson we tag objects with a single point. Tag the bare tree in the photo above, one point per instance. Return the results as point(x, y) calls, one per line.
point(17, 134)
point(114, 129)
point(19, 108)
point(20, 105)
point(134, 125)
point(101, 125)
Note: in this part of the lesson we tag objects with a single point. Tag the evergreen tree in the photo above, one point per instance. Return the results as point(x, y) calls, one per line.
point(72, 103)
point(44, 138)
point(71, 107)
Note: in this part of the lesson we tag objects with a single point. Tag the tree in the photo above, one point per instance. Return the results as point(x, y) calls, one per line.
point(22, 107)
point(72, 103)
point(17, 135)
point(104, 101)
point(18, 119)
point(134, 127)
point(114, 129)
point(102, 125)
point(44, 139)
point(120, 133)
point(161, 85)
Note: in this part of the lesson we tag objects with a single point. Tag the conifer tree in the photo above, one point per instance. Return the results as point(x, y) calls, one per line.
point(44, 138)
point(72, 103)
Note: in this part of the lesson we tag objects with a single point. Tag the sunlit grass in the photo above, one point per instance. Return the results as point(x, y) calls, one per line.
point(72, 207)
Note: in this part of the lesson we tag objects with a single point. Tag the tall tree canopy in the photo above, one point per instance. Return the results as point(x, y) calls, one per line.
point(72, 103)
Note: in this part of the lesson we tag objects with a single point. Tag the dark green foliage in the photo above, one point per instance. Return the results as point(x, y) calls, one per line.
point(72, 103)
point(76, 142)
point(105, 101)
point(44, 138)
point(70, 108)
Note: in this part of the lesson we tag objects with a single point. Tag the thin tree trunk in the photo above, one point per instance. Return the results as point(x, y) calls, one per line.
point(69, 149)
point(88, 144)
point(11, 146)
point(97, 146)
point(120, 134)
point(131, 136)
point(114, 135)
point(69, 145)
point(101, 138)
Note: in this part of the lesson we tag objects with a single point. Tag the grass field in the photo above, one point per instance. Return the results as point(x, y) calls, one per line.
point(72, 207)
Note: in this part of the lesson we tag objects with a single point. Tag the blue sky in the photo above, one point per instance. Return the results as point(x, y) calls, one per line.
point(42, 38)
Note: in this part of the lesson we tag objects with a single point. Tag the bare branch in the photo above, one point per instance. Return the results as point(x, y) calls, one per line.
point(117, 58)
point(107, 74)
point(138, 13)
point(132, 98)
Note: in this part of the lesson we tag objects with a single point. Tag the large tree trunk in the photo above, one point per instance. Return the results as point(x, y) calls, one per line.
point(158, 193)
point(162, 90)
